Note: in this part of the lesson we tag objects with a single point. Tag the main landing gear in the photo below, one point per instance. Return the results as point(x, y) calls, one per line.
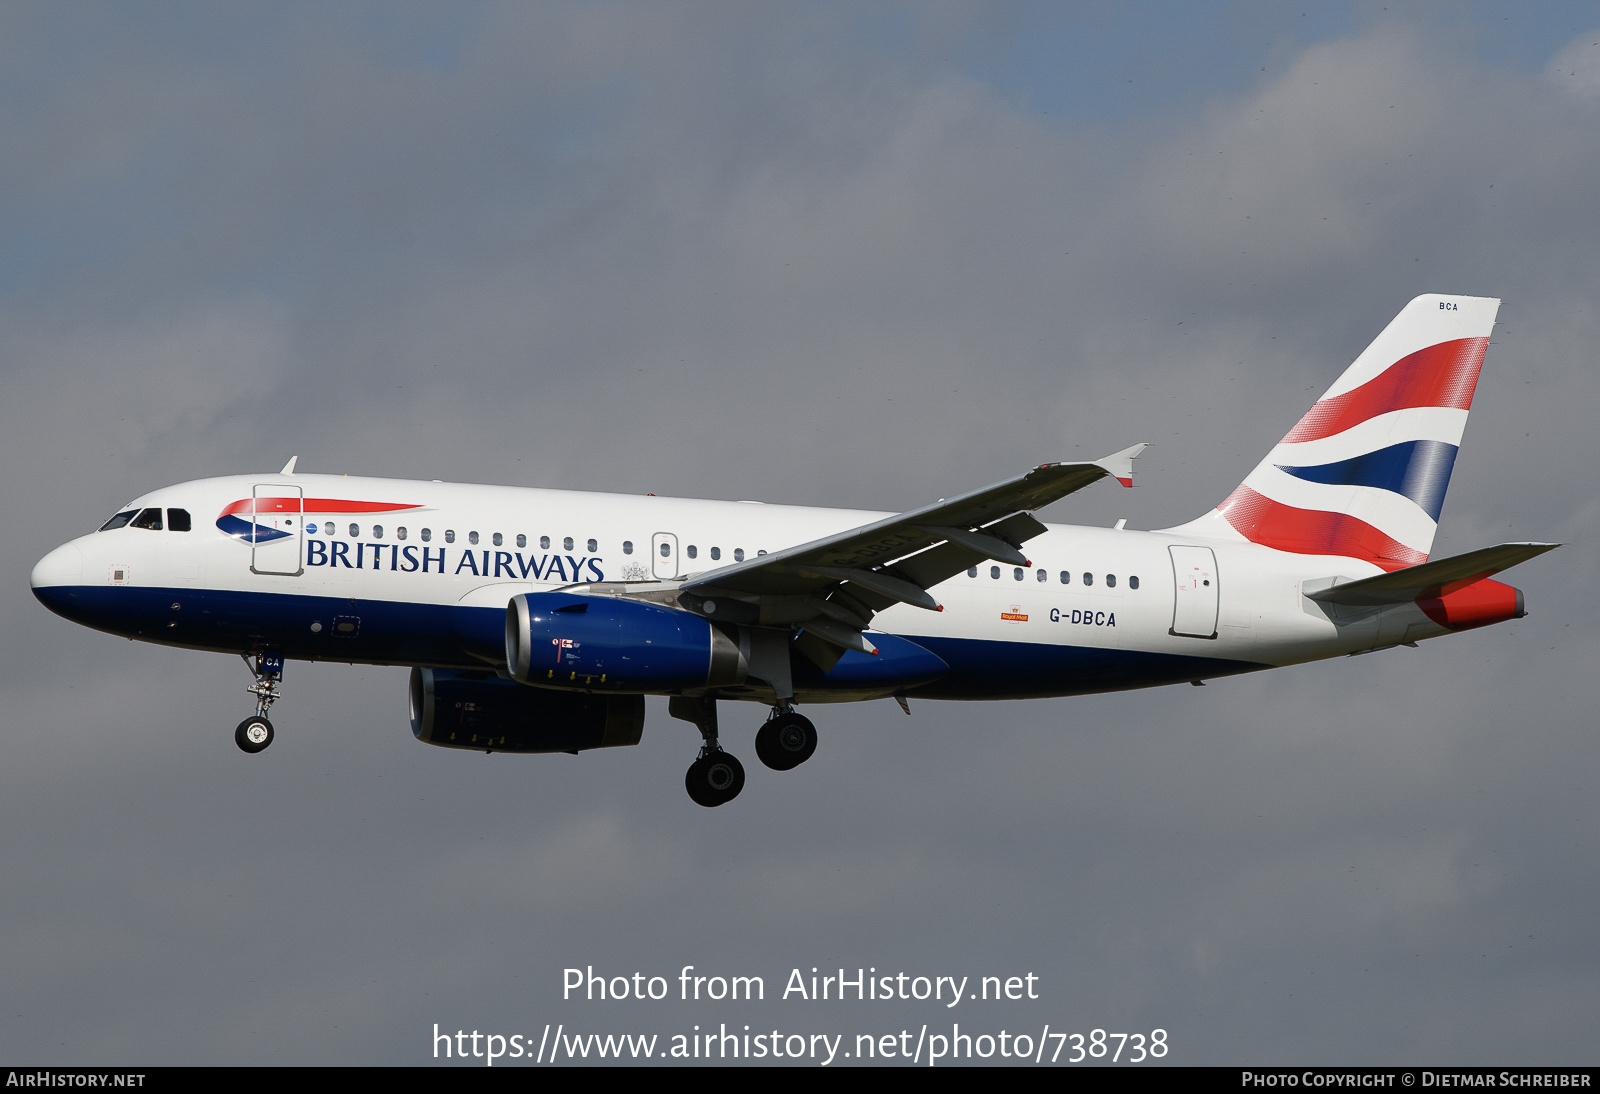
point(716, 777)
point(255, 733)
point(787, 740)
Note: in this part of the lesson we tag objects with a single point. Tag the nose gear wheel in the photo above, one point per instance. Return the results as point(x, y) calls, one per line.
point(253, 734)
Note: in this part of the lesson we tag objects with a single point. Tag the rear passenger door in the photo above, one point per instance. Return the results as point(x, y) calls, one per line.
point(1194, 612)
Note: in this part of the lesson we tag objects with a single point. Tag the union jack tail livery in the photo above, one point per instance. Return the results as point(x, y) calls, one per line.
point(1363, 474)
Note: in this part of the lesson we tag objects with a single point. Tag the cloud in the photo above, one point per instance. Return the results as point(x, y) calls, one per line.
point(1575, 70)
point(755, 253)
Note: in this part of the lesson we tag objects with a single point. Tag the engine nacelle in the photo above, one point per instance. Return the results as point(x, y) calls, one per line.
point(602, 643)
point(480, 711)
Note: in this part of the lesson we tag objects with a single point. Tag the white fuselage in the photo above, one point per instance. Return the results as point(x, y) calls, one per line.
point(385, 574)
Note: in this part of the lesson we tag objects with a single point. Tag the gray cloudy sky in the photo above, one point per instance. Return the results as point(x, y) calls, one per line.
point(817, 253)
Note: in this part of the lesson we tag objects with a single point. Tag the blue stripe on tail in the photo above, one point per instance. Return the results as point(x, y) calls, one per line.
point(1419, 470)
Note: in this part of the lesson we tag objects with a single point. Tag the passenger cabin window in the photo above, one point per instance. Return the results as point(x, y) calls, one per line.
point(472, 538)
point(1088, 579)
point(1066, 578)
point(593, 546)
point(355, 531)
point(1133, 583)
point(716, 553)
point(1018, 573)
point(738, 554)
point(994, 572)
point(566, 544)
point(692, 551)
point(1111, 581)
point(119, 520)
point(522, 540)
point(149, 518)
point(972, 571)
point(666, 550)
point(177, 520)
point(400, 533)
point(544, 543)
point(377, 531)
point(498, 539)
point(427, 535)
point(627, 546)
point(1043, 576)
point(449, 535)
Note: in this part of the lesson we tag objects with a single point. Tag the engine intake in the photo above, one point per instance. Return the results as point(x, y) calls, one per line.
point(480, 711)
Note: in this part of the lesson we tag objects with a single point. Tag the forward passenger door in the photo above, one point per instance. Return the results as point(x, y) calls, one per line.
point(279, 530)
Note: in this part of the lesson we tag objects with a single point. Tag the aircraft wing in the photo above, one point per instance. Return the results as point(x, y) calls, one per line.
point(896, 560)
point(1431, 579)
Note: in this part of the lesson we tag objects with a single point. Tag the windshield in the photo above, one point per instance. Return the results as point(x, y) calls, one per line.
point(119, 520)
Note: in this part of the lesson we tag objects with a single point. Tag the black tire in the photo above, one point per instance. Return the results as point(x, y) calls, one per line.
point(714, 779)
point(786, 741)
point(253, 735)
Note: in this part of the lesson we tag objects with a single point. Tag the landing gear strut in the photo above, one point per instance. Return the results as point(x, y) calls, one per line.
point(716, 777)
point(255, 733)
point(787, 740)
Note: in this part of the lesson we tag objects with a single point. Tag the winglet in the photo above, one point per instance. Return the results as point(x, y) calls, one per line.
point(1119, 465)
point(288, 468)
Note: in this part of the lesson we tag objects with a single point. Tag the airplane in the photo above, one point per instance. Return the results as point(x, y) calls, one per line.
point(537, 620)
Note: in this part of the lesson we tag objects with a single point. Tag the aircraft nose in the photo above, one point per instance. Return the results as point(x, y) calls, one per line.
point(56, 572)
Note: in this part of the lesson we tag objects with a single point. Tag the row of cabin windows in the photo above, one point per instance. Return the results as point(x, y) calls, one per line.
point(1066, 576)
point(716, 552)
point(426, 535)
point(567, 544)
point(177, 520)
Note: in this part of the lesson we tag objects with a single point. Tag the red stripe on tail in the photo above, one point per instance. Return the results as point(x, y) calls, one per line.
point(1313, 531)
point(1442, 375)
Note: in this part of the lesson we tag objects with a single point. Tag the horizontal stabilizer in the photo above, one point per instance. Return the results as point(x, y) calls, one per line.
point(1431, 579)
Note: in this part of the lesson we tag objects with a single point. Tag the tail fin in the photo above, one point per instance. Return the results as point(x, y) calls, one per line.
point(1363, 474)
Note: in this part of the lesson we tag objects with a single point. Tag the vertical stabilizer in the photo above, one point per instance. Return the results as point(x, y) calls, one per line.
point(1363, 474)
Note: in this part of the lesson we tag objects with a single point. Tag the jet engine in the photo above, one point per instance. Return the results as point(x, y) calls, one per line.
point(480, 711)
point(602, 643)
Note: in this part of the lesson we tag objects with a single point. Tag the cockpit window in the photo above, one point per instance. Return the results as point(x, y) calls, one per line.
point(119, 520)
point(149, 518)
point(177, 520)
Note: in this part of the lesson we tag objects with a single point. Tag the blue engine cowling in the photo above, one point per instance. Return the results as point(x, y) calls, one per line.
point(480, 711)
point(602, 643)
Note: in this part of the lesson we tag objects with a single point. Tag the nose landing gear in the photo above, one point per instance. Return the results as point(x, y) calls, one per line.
point(255, 733)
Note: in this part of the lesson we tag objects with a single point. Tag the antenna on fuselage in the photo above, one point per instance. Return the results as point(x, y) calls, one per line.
point(288, 468)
